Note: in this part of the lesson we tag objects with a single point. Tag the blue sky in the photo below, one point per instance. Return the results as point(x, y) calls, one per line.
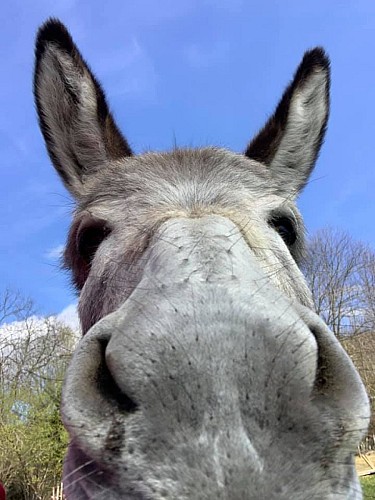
point(198, 71)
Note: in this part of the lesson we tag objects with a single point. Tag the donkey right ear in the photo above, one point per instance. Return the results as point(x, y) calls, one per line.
point(79, 131)
point(290, 141)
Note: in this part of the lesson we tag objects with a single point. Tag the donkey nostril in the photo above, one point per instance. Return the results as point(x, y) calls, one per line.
point(108, 387)
point(322, 368)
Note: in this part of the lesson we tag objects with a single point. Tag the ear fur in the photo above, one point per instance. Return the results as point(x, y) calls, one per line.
point(290, 141)
point(79, 130)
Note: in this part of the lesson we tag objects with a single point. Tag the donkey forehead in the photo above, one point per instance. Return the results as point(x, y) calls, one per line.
point(204, 176)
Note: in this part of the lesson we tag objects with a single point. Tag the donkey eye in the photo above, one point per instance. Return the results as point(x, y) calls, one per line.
point(285, 227)
point(89, 238)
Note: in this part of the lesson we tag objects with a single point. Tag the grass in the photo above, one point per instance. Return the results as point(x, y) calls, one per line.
point(368, 486)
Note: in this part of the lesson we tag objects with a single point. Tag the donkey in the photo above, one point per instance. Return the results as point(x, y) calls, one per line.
point(203, 371)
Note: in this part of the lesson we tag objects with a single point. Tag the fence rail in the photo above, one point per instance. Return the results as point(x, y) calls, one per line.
point(367, 444)
point(57, 492)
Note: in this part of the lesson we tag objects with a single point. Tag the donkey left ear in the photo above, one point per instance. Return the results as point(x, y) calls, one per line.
point(79, 130)
point(290, 141)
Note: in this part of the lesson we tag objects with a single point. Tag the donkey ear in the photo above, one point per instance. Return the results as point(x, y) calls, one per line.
point(290, 141)
point(79, 131)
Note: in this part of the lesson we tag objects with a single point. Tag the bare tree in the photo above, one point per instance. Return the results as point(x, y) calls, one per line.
point(14, 306)
point(34, 354)
point(33, 349)
point(361, 349)
point(340, 273)
point(367, 283)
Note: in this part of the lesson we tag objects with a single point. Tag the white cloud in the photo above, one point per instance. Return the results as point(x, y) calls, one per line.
point(38, 325)
point(33, 325)
point(55, 253)
point(69, 317)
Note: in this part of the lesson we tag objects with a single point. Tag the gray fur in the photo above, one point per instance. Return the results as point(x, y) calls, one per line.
point(203, 372)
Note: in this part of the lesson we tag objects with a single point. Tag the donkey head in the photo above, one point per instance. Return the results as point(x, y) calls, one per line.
point(203, 372)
